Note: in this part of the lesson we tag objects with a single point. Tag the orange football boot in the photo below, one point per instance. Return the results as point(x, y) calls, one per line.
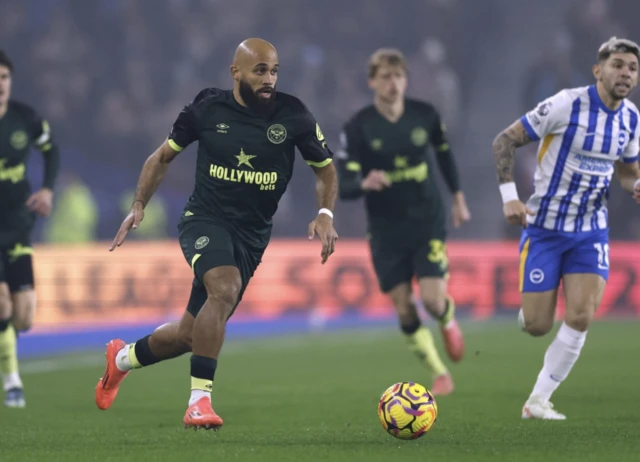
point(107, 388)
point(442, 385)
point(201, 415)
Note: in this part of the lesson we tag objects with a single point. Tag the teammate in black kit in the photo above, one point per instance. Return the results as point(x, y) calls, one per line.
point(20, 129)
point(247, 139)
point(384, 158)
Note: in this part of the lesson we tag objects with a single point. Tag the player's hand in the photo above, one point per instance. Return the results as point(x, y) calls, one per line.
point(376, 180)
point(323, 227)
point(460, 210)
point(515, 212)
point(131, 222)
point(636, 193)
point(41, 202)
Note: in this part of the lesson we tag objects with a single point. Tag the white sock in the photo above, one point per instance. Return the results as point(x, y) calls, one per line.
point(122, 358)
point(560, 357)
point(11, 380)
point(197, 394)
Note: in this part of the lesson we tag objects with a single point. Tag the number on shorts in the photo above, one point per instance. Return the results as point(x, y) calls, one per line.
point(603, 255)
point(438, 253)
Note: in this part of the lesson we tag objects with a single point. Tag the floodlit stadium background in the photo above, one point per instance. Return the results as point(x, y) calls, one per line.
point(111, 76)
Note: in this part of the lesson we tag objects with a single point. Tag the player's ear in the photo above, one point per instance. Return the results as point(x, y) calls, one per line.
point(235, 72)
point(597, 71)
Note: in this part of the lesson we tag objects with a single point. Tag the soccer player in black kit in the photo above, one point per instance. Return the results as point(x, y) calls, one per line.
point(247, 139)
point(383, 157)
point(20, 130)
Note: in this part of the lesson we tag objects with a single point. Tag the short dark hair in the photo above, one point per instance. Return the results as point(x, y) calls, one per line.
point(5, 61)
point(386, 56)
point(616, 45)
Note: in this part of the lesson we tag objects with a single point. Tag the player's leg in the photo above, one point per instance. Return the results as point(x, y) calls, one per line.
point(168, 341)
point(419, 338)
point(539, 274)
point(586, 269)
point(8, 357)
point(431, 265)
point(20, 282)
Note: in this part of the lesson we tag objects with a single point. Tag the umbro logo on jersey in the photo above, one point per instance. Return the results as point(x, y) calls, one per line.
point(222, 128)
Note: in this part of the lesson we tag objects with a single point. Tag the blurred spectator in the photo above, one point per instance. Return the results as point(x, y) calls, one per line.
point(74, 217)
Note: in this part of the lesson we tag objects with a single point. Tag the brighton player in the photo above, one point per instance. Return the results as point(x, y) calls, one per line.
point(585, 135)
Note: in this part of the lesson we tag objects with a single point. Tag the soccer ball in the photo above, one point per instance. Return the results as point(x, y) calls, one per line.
point(407, 410)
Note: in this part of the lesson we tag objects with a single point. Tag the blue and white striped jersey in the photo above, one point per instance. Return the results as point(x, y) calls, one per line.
point(580, 139)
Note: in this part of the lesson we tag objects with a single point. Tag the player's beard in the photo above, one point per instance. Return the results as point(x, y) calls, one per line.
point(253, 101)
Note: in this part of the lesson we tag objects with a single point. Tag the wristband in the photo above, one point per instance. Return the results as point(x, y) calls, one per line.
point(326, 211)
point(509, 192)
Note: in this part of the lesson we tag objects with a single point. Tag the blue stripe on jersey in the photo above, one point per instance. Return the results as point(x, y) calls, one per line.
point(584, 201)
point(608, 129)
point(597, 204)
point(593, 122)
point(567, 141)
point(630, 160)
point(623, 129)
point(565, 203)
point(529, 129)
point(633, 123)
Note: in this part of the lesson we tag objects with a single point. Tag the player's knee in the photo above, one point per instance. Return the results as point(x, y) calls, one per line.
point(5, 302)
point(434, 303)
point(538, 327)
point(578, 321)
point(23, 311)
point(223, 295)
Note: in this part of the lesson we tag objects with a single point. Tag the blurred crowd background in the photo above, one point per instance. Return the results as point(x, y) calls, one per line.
point(112, 75)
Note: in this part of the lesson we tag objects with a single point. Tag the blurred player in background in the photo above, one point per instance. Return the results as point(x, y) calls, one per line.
point(20, 129)
point(384, 158)
point(586, 134)
point(247, 139)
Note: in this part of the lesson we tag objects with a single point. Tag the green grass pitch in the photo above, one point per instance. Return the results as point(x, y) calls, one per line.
point(313, 398)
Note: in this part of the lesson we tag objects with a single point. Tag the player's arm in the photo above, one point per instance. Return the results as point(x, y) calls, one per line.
point(41, 201)
point(314, 150)
point(547, 118)
point(628, 170)
point(183, 133)
point(449, 169)
point(351, 183)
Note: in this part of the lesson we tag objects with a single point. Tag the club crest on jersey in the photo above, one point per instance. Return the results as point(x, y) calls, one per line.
point(277, 133)
point(622, 138)
point(19, 140)
point(202, 242)
point(376, 144)
point(419, 136)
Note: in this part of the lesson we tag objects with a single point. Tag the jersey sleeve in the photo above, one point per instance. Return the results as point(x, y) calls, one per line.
point(444, 156)
point(548, 117)
point(185, 128)
point(630, 153)
point(41, 139)
point(348, 163)
point(311, 142)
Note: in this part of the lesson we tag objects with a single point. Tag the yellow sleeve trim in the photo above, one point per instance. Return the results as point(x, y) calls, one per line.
point(45, 148)
point(324, 163)
point(353, 166)
point(443, 147)
point(175, 146)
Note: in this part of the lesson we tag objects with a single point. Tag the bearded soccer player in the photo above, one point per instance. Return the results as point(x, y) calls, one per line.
point(20, 129)
point(384, 158)
point(585, 135)
point(246, 146)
